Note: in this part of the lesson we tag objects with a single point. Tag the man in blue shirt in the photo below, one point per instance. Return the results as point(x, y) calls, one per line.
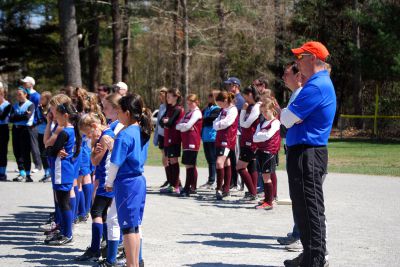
point(34, 97)
point(309, 120)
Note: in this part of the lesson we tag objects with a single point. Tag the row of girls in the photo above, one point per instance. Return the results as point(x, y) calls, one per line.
point(99, 172)
point(218, 126)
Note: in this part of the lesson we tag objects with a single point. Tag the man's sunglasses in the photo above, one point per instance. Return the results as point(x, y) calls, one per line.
point(300, 56)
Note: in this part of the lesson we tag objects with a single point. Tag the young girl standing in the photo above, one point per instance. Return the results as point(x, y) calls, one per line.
point(22, 116)
point(126, 169)
point(190, 128)
point(268, 140)
point(172, 139)
point(226, 126)
point(62, 165)
point(5, 108)
point(208, 135)
point(102, 143)
point(42, 110)
point(249, 119)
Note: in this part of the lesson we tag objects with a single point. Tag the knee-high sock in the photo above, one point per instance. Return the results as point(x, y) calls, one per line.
point(274, 184)
point(211, 172)
point(66, 222)
point(194, 180)
point(88, 191)
point(112, 250)
point(168, 173)
point(254, 178)
point(189, 178)
point(247, 179)
point(76, 190)
point(220, 178)
point(81, 204)
point(72, 203)
point(227, 178)
point(140, 250)
point(268, 191)
point(97, 233)
point(175, 175)
point(105, 236)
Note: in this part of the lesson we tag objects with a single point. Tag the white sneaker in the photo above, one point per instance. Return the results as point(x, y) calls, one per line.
point(35, 170)
point(295, 246)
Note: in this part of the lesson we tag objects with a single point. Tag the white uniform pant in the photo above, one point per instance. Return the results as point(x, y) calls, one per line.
point(113, 230)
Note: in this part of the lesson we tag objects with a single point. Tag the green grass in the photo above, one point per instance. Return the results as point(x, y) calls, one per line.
point(345, 156)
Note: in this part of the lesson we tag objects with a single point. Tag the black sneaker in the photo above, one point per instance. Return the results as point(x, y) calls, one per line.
point(3, 177)
point(89, 255)
point(141, 263)
point(105, 263)
point(218, 195)
point(46, 178)
point(19, 178)
point(52, 236)
point(28, 179)
point(61, 240)
point(294, 262)
point(166, 183)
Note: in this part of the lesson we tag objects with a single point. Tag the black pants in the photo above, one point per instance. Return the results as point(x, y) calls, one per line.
point(100, 207)
point(4, 138)
point(22, 147)
point(33, 136)
point(232, 157)
point(211, 157)
point(42, 150)
point(306, 167)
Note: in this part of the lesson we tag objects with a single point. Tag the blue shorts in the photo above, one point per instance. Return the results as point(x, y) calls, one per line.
point(62, 187)
point(83, 171)
point(130, 199)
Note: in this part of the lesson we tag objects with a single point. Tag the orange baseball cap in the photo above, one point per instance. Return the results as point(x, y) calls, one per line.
point(315, 48)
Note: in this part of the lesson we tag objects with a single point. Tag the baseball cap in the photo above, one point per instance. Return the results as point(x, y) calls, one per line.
point(28, 79)
point(232, 80)
point(121, 85)
point(315, 48)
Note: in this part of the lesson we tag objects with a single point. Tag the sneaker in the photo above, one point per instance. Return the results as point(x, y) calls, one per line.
point(88, 255)
point(81, 219)
point(169, 190)
point(286, 240)
point(166, 183)
point(236, 188)
point(3, 178)
point(262, 201)
point(294, 262)
point(295, 246)
point(207, 185)
point(105, 263)
point(60, 240)
point(46, 178)
point(249, 197)
point(218, 195)
point(141, 263)
point(28, 179)
point(226, 195)
point(57, 228)
point(52, 236)
point(48, 226)
point(19, 178)
point(103, 252)
point(264, 206)
point(35, 170)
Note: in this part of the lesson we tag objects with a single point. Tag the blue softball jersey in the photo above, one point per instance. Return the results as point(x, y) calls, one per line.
point(102, 168)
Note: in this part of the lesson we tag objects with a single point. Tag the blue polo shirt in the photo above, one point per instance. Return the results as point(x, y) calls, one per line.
point(315, 106)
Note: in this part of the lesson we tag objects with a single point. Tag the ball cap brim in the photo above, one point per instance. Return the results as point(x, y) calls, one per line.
point(315, 48)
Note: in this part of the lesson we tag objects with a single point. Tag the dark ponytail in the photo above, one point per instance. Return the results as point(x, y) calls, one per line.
point(134, 104)
point(253, 91)
point(69, 109)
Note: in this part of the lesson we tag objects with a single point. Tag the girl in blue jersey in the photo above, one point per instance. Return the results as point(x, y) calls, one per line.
point(126, 172)
point(5, 108)
point(63, 154)
point(102, 142)
point(22, 116)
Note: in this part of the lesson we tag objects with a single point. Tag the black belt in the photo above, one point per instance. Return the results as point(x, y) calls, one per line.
point(303, 146)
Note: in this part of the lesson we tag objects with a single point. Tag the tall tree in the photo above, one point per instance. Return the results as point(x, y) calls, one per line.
point(186, 53)
point(94, 49)
point(126, 41)
point(69, 36)
point(176, 74)
point(117, 45)
point(223, 63)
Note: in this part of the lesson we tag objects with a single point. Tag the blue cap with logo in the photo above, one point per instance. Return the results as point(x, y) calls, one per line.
point(232, 80)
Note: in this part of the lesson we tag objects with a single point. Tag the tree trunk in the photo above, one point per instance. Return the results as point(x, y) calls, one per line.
point(126, 44)
point(94, 52)
point(278, 49)
point(357, 80)
point(223, 64)
point(69, 37)
point(117, 47)
point(176, 74)
point(186, 55)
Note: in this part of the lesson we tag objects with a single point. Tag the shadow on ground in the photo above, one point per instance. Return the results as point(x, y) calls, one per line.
point(20, 232)
point(220, 264)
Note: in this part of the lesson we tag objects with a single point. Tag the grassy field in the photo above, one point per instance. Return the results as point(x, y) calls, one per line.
point(345, 156)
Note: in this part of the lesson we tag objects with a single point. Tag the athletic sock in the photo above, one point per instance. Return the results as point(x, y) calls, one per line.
point(274, 181)
point(47, 172)
point(81, 204)
point(28, 173)
point(2, 170)
point(220, 178)
point(72, 203)
point(112, 251)
point(227, 178)
point(140, 250)
point(97, 233)
point(269, 189)
point(87, 191)
point(194, 180)
point(76, 191)
point(247, 180)
point(254, 179)
point(22, 173)
point(67, 223)
point(211, 172)
point(189, 178)
point(175, 175)
point(105, 236)
point(168, 173)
